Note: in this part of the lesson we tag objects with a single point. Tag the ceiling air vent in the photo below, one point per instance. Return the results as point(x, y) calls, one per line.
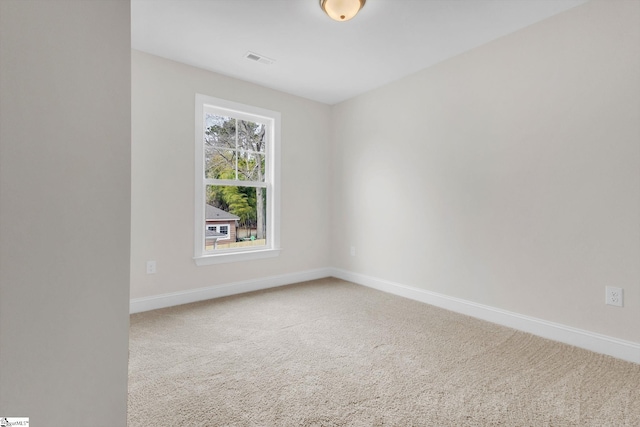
point(258, 58)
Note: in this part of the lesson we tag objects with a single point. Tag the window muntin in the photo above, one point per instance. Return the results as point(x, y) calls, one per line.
point(237, 172)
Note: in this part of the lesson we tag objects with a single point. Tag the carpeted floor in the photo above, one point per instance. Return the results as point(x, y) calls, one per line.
point(331, 353)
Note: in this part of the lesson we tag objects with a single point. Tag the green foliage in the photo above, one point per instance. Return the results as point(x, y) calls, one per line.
point(240, 201)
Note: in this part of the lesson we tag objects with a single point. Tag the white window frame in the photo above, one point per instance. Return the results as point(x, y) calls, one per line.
point(272, 248)
point(216, 228)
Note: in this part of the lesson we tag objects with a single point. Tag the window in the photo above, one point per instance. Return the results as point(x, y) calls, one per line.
point(237, 171)
point(222, 230)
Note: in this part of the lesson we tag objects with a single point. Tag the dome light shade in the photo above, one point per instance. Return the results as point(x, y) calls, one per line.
point(341, 10)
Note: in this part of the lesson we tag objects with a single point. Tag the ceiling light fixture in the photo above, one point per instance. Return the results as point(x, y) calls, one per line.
point(341, 10)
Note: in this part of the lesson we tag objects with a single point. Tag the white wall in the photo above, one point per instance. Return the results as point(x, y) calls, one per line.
point(508, 176)
point(64, 211)
point(163, 97)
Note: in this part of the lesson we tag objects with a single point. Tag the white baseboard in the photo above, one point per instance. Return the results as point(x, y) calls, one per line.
point(138, 305)
point(626, 350)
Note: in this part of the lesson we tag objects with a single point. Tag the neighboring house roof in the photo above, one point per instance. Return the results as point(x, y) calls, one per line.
point(214, 214)
point(210, 234)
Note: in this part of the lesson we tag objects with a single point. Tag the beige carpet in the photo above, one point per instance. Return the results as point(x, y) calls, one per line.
point(331, 353)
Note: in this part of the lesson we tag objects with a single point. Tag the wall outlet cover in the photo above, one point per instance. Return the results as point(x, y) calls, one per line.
point(151, 267)
point(614, 296)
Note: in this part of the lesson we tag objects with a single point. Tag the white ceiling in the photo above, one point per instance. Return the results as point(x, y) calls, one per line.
point(316, 57)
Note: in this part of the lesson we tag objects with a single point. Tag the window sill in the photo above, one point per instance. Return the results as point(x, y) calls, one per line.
point(236, 256)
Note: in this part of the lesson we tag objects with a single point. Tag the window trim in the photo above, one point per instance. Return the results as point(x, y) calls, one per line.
point(272, 180)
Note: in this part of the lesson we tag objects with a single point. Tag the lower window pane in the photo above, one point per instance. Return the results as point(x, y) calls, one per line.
point(235, 217)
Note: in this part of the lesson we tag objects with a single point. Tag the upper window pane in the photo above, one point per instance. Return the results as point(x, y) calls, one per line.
point(220, 163)
point(234, 149)
point(220, 131)
point(252, 136)
point(251, 167)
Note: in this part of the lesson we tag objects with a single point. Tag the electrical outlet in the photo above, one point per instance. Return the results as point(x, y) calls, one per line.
point(614, 296)
point(151, 267)
point(353, 251)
